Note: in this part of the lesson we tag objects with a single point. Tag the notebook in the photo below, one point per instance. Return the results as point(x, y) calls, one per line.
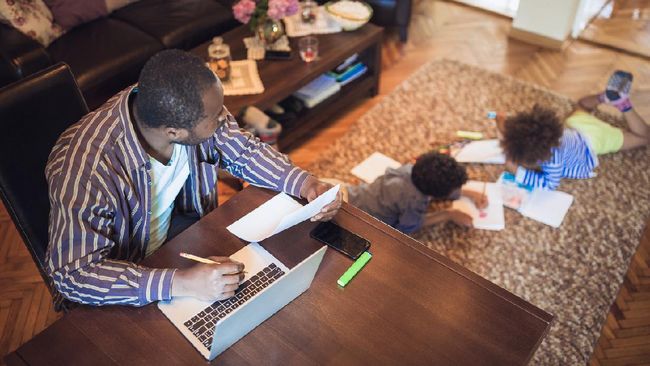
point(547, 207)
point(374, 166)
point(489, 218)
point(482, 151)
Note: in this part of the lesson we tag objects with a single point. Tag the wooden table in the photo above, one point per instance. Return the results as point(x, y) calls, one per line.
point(282, 78)
point(409, 305)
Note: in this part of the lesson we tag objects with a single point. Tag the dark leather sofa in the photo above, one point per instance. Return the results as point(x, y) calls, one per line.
point(106, 54)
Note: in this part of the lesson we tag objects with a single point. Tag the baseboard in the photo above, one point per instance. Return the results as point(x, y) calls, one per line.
point(536, 39)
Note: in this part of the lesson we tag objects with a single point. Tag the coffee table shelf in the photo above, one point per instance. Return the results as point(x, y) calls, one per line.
point(282, 78)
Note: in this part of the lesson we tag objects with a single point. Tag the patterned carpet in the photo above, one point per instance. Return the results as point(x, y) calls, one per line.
point(573, 272)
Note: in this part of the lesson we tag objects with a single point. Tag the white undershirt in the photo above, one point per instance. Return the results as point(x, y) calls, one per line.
point(166, 182)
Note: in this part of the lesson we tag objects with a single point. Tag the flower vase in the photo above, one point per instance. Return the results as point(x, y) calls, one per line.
point(269, 31)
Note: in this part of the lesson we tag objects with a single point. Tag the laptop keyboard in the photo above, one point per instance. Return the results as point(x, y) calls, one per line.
point(202, 324)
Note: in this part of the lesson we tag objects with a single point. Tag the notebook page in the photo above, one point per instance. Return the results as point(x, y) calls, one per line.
point(489, 218)
point(373, 167)
point(483, 151)
point(547, 207)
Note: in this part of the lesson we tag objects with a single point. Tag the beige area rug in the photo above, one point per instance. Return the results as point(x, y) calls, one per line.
point(573, 272)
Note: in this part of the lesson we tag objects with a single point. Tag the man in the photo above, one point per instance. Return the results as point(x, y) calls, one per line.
point(117, 176)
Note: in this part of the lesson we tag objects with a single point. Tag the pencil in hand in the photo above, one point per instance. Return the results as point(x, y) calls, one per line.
point(196, 258)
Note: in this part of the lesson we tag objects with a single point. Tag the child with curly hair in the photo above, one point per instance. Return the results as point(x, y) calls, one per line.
point(541, 149)
point(401, 197)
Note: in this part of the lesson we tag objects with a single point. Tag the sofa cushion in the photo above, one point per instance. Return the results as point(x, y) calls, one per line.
point(32, 18)
point(104, 51)
point(71, 13)
point(186, 23)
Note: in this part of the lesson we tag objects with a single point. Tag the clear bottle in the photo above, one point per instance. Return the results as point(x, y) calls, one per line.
point(308, 11)
point(219, 58)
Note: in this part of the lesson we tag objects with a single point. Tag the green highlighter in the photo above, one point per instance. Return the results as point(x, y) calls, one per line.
point(354, 269)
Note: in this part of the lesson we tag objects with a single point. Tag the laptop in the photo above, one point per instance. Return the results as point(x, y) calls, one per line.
point(212, 327)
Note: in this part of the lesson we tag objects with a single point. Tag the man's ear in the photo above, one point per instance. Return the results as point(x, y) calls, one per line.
point(176, 134)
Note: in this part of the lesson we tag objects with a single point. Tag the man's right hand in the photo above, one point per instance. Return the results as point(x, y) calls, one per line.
point(209, 282)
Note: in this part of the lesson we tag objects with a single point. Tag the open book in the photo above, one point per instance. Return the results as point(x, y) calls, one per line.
point(489, 218)
point(547, 207)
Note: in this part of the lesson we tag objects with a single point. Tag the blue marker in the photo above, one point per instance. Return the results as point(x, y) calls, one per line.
point(492, 115)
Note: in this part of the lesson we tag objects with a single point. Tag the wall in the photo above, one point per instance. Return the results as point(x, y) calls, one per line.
point(587, 10)
point(551, 19)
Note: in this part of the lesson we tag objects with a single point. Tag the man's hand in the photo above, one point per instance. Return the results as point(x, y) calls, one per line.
point(459, 218)
point(209, 282)
point(313, 188)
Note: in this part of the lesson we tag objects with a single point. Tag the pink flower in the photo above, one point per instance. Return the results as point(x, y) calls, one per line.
point(243, 10)
point(279, 9)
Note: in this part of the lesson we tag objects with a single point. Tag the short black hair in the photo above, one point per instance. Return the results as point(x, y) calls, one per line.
point(437, 175)
point(170, 90)
point(528, 137)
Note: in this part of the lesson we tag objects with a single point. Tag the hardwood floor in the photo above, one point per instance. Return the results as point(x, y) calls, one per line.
point(622, 24)
point(439, 30)
point(625, 338)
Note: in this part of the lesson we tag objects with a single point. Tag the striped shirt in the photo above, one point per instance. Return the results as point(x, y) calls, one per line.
point(573, 158)
point(100, 198)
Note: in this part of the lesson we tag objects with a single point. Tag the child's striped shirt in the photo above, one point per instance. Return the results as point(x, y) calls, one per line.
point(572, 159)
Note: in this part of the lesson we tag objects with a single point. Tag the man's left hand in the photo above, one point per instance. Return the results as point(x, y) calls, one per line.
point(313, 188)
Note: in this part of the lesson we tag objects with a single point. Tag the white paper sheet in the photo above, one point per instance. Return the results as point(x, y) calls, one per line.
point(277, 214)
point(547, 207)
point(489, 218)
point(374, 166)
point(483, 151)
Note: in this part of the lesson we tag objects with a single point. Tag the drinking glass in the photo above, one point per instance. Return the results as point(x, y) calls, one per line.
point(308, 47)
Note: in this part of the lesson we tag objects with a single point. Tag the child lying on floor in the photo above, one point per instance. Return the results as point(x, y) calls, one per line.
point(401, 197)
point(541, 150)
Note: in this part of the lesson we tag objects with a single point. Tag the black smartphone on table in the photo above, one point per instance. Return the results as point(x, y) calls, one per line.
point(350, 244)
point(278, 55)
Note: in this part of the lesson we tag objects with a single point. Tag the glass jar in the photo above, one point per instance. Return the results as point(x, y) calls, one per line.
point(308, 9)
point(269, 31)
point(219, 58)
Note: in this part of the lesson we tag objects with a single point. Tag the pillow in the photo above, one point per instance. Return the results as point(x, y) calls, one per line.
point(32, 18)
point(71, 13)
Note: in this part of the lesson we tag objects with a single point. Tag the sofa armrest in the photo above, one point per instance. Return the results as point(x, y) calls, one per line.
point(19, 55)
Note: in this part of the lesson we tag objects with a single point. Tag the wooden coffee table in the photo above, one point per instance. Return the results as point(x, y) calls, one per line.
point(282, 78)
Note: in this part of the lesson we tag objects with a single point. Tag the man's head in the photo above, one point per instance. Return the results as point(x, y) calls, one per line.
point(528, 137)
point(438, 175)
point(178, 94)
